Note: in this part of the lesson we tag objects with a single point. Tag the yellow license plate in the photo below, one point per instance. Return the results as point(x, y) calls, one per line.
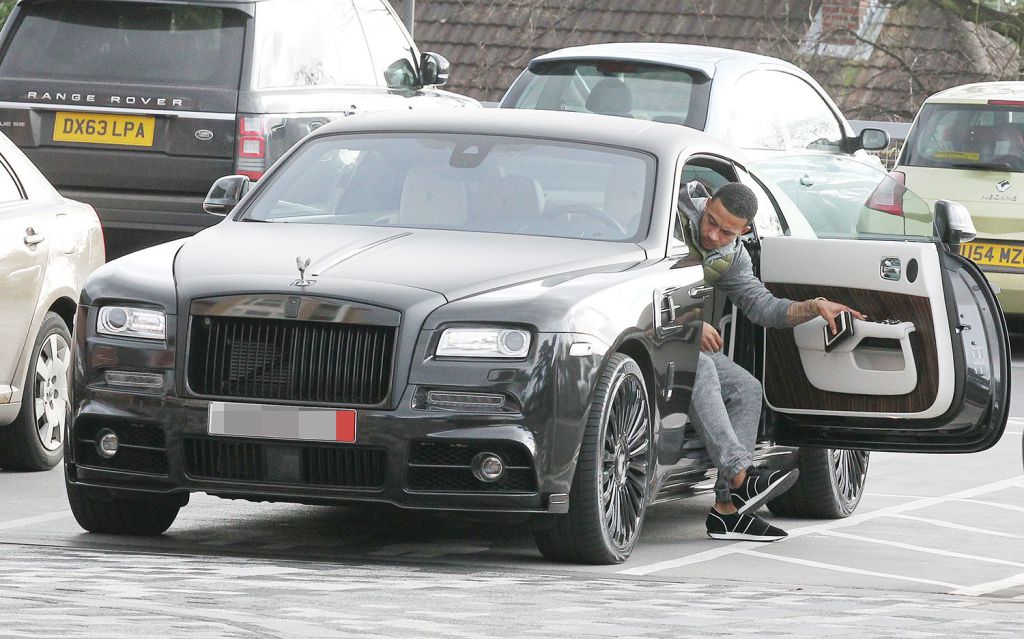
point(991, 254)
point(102, 128)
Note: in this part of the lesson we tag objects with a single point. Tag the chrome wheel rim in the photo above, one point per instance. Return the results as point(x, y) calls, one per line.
point(850, 468)
point(51, 383)
point(624, 468)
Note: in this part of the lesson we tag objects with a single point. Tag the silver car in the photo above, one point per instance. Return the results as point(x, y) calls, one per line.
point(48, 246)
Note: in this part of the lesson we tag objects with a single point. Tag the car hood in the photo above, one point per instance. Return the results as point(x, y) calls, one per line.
point(453, 264)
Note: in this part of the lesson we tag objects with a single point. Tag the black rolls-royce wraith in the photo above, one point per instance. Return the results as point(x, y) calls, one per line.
point(495, 311)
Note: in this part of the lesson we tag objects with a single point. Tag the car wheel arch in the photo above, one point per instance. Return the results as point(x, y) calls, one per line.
point(635, 349)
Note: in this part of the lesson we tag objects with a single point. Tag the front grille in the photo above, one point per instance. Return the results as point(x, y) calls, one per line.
point(141, 447)
point(269, 359)
point(446, 467)
point(284, 463)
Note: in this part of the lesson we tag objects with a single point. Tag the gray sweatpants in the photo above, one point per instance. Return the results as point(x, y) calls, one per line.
point(726, 410)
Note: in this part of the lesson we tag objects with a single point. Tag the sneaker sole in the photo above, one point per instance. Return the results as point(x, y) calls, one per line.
point(774, 490)
point(733, 536)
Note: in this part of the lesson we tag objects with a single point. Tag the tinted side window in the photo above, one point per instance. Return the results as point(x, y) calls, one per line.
point(808, 121)
point(392, 51)
point(130, 43)
point(776, 111)
point(755, 123)
point(308, 43)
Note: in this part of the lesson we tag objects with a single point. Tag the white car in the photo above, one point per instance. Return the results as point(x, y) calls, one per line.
point(760, 104)
point(48, 246)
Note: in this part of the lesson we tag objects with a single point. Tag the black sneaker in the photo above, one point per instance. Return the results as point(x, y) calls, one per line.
point(760, 486)
point(739, 527)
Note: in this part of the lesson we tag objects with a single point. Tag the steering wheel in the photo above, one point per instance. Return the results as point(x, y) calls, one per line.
point(569, 210)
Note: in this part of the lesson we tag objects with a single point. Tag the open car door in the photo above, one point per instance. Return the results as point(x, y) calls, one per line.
point(929, 370)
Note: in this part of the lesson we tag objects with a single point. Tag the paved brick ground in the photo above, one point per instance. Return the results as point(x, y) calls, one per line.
point(54, 592)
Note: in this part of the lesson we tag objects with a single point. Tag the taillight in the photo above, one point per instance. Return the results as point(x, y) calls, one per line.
point(888, 195)
point(251, 155)
point(1015, 103)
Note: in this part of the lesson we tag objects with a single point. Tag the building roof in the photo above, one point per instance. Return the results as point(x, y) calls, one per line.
point(918, 49)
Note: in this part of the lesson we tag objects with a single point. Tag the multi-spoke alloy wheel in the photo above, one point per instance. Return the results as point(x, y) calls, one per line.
point(626, 450)
point(830, 485)
point(612, 482)
point(35, 440)
point(850, 470)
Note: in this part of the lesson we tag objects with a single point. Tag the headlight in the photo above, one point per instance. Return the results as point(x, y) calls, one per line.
point(124, 321)
point(484, 342)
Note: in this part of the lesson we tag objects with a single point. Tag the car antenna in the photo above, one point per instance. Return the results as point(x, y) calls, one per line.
point(701, 23)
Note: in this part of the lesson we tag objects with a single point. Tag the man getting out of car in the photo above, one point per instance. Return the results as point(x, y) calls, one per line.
point(726, 405)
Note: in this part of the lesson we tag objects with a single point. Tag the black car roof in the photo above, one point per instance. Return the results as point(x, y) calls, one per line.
point(655, 137)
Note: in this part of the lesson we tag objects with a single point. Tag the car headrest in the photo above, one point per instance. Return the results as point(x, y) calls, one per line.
point(610, 96)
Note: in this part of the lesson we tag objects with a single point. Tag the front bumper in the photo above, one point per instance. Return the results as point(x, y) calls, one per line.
point(404, 454)
point(167, 449)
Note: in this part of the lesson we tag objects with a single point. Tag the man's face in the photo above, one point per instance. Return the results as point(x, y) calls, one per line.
point(719, 227)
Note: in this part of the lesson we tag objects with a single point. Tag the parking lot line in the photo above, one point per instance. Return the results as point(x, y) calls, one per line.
point(948, 524)
point(993, 504)
point(846, 569)
point(853, 520)
point(992, 586)
point(38, 519)
point(923, 549)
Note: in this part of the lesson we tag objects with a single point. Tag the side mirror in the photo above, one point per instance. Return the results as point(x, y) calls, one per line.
point(225, 194)
point(873, 139)
point(433, 69)
point(953, 224)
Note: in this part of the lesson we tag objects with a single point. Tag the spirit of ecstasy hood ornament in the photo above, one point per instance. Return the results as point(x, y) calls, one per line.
point(302, 263)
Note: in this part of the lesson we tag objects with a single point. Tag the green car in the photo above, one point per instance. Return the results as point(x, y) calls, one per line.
point(967, 144)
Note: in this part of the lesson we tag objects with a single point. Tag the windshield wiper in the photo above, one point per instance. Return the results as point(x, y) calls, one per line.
point(983, 166)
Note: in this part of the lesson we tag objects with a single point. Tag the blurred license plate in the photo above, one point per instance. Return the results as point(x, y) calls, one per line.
point(992, 254)
point(102, 128)
point(282, 422)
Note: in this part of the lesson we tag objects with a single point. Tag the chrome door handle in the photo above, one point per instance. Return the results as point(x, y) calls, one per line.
point(32, 238)
point(698, 292)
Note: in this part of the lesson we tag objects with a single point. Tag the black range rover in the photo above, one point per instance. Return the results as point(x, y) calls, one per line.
point(136, 107)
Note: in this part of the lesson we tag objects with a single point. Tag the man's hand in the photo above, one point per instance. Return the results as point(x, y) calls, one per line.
point(828, 310)
point(710, 340)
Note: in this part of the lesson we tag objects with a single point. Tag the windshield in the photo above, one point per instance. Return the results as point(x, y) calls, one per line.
point(983, 137)
point(464, 183)
point(629, 89)
point(844, 198)
point(130, 43)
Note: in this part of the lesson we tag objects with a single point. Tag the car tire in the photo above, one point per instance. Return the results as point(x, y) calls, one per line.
point(99, 512)
point(830, 485)
point(612, 482)
point(35, 440)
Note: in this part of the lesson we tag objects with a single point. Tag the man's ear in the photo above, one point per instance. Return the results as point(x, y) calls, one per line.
point(746, 229)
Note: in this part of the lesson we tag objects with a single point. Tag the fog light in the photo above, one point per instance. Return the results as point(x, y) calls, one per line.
point(130, 379)
point(106, 443)
point(488, 467)
point(465, 401)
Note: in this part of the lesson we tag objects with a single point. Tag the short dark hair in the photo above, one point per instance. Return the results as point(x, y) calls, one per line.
point(738, 199)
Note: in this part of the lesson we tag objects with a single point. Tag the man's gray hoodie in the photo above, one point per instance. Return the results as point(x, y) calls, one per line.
point(729, 268)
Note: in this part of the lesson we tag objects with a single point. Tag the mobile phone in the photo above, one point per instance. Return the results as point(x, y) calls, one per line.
point(844, 329)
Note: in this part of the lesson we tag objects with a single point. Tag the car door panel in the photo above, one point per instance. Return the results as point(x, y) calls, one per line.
point(949, 330)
